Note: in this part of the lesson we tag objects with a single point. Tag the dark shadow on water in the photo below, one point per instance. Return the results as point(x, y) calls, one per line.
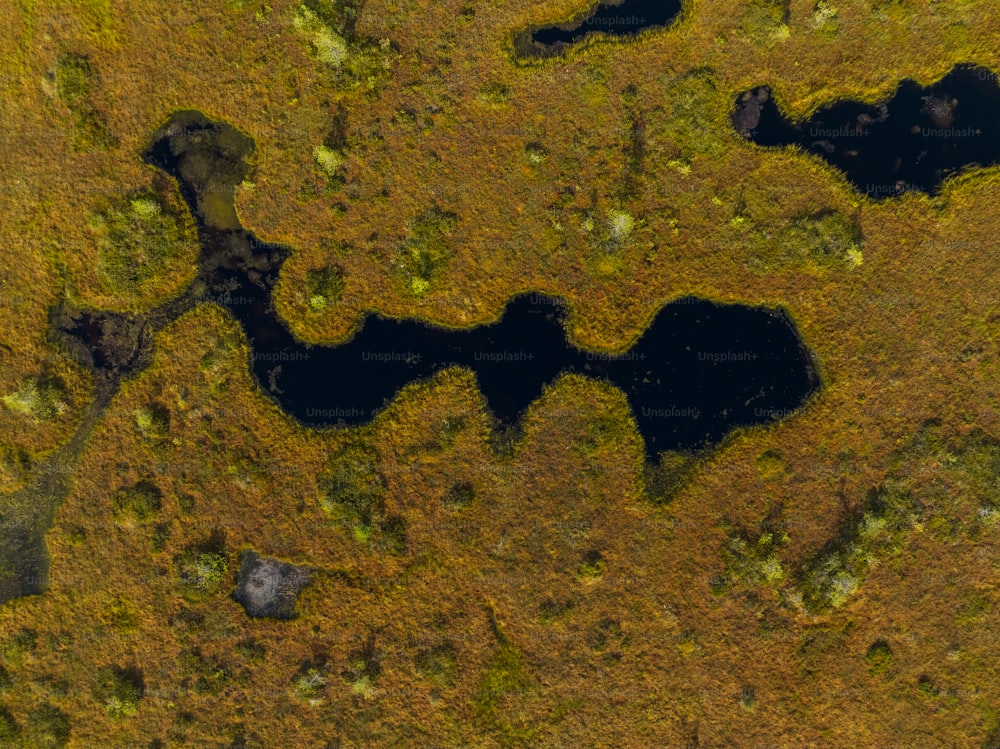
point(913, 141)
point(615, 18)
point(698, 371)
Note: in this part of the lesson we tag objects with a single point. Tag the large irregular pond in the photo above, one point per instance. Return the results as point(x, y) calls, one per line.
point(912, 141)
point(699, 370)
point(621, 18)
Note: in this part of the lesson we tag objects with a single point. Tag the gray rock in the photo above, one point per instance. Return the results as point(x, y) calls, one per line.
point(267, 587)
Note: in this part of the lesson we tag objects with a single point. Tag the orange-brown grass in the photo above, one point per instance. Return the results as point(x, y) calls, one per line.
point(641, 655)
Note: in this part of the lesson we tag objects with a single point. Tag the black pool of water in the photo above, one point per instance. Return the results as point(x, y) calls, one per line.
point(914, 141)
point(698, 371)
point(622, 18)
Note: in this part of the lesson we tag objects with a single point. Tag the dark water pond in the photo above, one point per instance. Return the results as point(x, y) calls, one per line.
point(623, 18)
point(699, 370)
point(913, 141)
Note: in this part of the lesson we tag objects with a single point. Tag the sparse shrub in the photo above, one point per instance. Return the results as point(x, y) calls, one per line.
point(460, 495)
point(354, 63)
point(14, 468)
point(9, 730)
point(363, 670)
point(323, 288)
point(834, 575)
point(591, 566)
point(879, 657)
point(751, 561)
point(46, 727)
point(353, 494)
point(748, 698)
point(202, 570)
point(75, 77)
point(19, 645)
point(309, 684)
point(600, 636)
point(153, 422)
point(39, 399)
point(137, 503)
point(428, 251)
point(504, 681)
point(139, 241)
point(535, 153)
point(552, 610)
point(119, 691)
point(494, 92)
point(827, 239)
point(391, 538)
point(766, 21)
point(438, 664)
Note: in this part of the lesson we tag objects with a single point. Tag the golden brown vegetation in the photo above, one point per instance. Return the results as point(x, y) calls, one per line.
point(611, 177)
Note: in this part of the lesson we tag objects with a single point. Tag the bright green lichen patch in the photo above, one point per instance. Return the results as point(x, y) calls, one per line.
point(140, 242)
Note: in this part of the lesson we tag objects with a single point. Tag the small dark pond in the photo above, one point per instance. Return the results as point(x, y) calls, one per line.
point(913, 141)
point(622, 18)
point(698, 371)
